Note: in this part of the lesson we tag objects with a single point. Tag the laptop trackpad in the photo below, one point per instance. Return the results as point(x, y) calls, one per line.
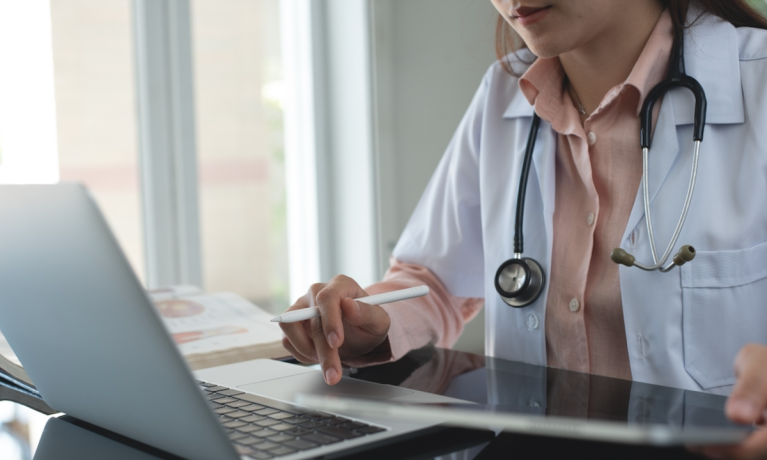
point(287, 388)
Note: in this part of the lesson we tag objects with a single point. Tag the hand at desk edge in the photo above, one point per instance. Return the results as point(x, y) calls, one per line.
point(345, 330)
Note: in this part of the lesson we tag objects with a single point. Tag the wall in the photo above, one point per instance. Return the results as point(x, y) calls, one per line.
point(429, 57)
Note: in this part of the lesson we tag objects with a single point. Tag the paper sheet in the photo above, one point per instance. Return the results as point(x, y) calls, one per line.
point(215, 322)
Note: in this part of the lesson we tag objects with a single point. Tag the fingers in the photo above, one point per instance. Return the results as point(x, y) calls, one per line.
point(372, 318)
point(752, 448)
point(329, 359)
point(329, 302)
point(748, 399)
point(292, 350)
point(319, 339)
point(746, 404)
point(297, 333)
point(755, 446)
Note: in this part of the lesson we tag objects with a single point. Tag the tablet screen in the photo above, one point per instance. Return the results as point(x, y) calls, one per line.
point(508, 390)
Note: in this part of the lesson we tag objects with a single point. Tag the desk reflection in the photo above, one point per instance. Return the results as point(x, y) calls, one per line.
point(62, 439)
point(520, 388)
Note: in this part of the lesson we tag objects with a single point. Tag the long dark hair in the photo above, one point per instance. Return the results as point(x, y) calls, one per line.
point(737, 12)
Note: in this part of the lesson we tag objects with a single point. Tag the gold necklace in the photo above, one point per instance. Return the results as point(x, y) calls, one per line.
point(577, 101)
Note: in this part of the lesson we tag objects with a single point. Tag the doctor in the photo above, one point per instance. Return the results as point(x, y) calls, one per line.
point(585, 69)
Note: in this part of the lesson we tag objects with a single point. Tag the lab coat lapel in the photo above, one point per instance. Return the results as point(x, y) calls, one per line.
point(712, 57)
point(543, 159)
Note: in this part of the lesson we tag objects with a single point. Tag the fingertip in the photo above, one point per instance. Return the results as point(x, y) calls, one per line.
point(741, 410)
point(334, 340)
point(331, 376)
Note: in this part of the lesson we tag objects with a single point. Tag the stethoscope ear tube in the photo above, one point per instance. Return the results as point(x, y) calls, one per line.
point(645, 115)
point(685, 254)
point(676, 78)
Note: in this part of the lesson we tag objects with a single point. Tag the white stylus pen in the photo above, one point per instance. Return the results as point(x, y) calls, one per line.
point(378, 299)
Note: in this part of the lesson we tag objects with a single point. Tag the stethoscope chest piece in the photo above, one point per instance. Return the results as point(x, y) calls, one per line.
point(519, 281)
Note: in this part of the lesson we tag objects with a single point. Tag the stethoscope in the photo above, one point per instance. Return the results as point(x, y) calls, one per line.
point(520, 280)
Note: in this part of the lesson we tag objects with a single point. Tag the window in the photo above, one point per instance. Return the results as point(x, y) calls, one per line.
point(238, 98)
point(72, 115)
point(95, 99)
point(27, 112)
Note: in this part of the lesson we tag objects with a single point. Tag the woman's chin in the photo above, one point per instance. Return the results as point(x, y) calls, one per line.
point(546, 49)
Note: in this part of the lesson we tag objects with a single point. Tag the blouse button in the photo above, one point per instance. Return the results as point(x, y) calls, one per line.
point(574, 305)
point(592, 138)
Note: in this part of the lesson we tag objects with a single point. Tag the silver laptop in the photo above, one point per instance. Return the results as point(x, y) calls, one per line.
point(89, 337)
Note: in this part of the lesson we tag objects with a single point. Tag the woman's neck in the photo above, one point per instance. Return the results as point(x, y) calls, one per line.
point(597, 66)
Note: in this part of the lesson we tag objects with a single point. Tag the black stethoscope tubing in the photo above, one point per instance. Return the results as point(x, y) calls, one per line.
point(521, 280)
point(514, 292)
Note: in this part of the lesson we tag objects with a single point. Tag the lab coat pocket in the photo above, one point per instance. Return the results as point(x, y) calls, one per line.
point(724, 297)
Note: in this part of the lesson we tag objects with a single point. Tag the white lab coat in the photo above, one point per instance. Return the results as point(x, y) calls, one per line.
point(684, 327)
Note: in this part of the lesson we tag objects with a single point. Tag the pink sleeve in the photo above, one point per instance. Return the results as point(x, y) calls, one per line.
point(436, 319)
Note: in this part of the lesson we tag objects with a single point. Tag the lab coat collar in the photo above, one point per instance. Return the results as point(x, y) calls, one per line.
point(518, 107)
point(711, 56)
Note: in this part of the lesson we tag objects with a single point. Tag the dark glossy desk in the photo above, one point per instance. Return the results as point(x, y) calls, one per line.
point(28, 433)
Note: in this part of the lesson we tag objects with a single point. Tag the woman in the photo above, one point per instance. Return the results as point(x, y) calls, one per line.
point(586, 70)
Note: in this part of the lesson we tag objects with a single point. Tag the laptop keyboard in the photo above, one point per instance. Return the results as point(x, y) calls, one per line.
point(261, 428)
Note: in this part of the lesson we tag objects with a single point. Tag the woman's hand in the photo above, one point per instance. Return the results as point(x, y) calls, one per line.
point(345, 329)
point(747, 404)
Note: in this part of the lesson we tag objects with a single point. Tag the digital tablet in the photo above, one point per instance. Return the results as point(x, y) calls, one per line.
point(537, 400)
point(705, 428)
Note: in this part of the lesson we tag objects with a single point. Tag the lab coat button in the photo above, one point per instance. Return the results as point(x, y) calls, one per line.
point(574, 305)
point(590, 219)
point(592, 138)
point(532, 321)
